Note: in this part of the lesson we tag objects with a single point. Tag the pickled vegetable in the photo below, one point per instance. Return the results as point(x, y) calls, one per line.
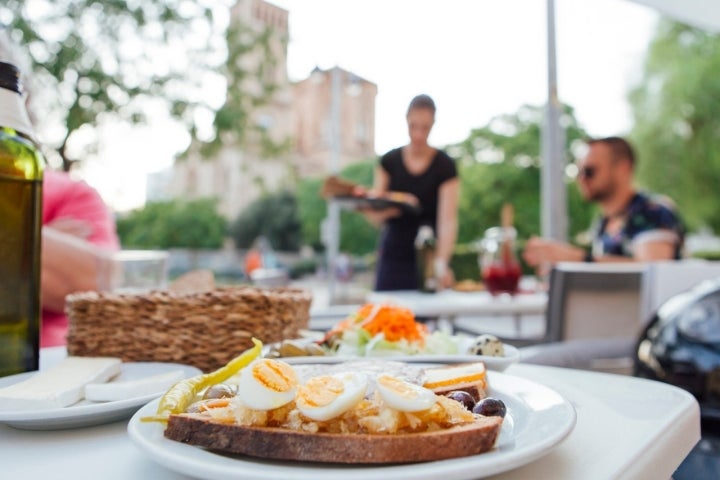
point(180, 395)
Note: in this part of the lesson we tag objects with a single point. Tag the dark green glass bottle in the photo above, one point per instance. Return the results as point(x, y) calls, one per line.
point(21, 172)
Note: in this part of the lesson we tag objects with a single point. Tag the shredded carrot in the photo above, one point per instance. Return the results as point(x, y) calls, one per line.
point(395, 323)
point(215, 403)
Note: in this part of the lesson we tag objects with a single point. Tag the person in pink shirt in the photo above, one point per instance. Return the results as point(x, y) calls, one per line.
point(78, 232)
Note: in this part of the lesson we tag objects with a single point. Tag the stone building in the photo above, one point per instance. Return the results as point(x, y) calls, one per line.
point(327, 119)
point(314, 132)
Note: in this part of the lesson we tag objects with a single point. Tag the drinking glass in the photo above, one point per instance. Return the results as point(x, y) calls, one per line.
point(499, 266)
point(133, 271)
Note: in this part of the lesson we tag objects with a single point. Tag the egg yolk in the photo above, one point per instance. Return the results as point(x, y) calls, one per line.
point(398, 386)
point(274, 375)
point(320, 391)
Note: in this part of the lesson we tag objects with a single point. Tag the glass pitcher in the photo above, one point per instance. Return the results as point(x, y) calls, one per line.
point(499, 266)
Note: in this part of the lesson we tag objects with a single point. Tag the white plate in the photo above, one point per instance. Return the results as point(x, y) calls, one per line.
point(85, 413)
point(512, 355)
point(538, 419)
point(499, 364)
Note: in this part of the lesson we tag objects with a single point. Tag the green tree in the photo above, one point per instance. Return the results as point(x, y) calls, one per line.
point(130, 54)
point(274, 216)
point(500, 163)
point(677, 120)
point(106, 60)
point(357, 236)
point(311, 211)
point(252, 85)
point(177, 224)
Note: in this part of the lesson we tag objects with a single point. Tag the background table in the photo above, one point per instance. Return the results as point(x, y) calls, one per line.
point(447, 305)
point(627, 428)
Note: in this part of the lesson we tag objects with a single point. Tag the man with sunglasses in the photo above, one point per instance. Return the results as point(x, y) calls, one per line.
point(634, 226)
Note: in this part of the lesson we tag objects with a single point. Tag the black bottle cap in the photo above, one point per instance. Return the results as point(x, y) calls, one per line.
point(9, 77)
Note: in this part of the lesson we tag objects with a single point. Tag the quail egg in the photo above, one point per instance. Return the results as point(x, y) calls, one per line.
point(488, 345)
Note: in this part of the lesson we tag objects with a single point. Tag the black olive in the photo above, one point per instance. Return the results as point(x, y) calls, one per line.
point(490, 407)
point(463, 397)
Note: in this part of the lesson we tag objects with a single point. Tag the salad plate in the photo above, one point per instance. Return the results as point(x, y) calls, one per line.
point(537, 420)
point(86, 413)
point(497, 363)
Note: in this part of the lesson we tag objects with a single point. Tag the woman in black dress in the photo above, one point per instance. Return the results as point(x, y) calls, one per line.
point(429, 175)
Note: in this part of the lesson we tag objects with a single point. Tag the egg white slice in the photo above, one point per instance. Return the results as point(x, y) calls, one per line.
point(267, 384)
point(404, 396)
point(329, 396)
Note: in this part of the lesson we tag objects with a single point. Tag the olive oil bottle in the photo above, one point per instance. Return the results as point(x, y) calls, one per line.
point(21, 171)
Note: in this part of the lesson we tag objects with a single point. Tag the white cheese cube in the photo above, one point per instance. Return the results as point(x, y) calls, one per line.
point(121, 390)
point(59, 386)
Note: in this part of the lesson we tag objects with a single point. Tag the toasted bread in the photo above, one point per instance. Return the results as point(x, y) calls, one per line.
point(352, 448)
point(334, 186)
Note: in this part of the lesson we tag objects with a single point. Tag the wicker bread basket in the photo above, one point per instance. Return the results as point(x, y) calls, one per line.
point(205, 330)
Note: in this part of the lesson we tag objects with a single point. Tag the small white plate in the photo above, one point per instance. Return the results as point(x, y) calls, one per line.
point(537, 420)
point(86, 413)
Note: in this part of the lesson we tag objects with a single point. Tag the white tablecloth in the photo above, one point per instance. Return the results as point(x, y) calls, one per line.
point(627, 428)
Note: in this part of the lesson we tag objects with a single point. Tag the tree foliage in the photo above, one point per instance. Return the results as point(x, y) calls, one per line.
point(357, 236)
point(677, 121)
point(274, 216)
point(500, 163)
point(97, 60)
point(176, 224)
point(250, 73)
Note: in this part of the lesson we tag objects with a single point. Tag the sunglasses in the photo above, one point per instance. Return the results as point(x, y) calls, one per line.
point(587, 173)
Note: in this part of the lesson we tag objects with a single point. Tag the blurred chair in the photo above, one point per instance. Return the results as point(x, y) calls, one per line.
point(597, 311)
point(594, 300)
point(593, 317)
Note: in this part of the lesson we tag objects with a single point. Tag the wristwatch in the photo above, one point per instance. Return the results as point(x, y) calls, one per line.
point(588, 256)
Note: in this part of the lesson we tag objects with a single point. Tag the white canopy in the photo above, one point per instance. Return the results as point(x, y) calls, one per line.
point(703, 14)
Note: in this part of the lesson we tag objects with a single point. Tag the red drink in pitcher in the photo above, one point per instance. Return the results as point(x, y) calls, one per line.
point(499, 267)
point(501, 278)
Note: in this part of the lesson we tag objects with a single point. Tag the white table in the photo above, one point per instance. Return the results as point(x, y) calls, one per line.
point(627, 428)
point(449, 304)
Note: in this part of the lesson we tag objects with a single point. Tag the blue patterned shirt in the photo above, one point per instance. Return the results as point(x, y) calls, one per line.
point(647, 217)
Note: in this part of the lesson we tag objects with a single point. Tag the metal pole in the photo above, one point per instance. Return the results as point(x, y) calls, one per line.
point(553, 194)
point(333, 244)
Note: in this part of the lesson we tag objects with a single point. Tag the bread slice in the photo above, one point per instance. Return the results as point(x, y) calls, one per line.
point(334, 186)
point(468, 377)
point(352, 448)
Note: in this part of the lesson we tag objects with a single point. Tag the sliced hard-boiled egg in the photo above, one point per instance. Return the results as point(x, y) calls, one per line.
point(404, 396)
point(328, 396)
point(266, 384)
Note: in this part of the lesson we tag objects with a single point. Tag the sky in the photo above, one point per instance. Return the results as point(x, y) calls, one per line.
point(477, 58)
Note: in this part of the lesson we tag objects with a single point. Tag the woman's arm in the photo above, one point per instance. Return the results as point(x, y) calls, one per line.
point(447, 226)
point(69, 264)
point(381, 183)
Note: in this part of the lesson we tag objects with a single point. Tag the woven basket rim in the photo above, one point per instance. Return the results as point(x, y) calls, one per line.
point(219, 291)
